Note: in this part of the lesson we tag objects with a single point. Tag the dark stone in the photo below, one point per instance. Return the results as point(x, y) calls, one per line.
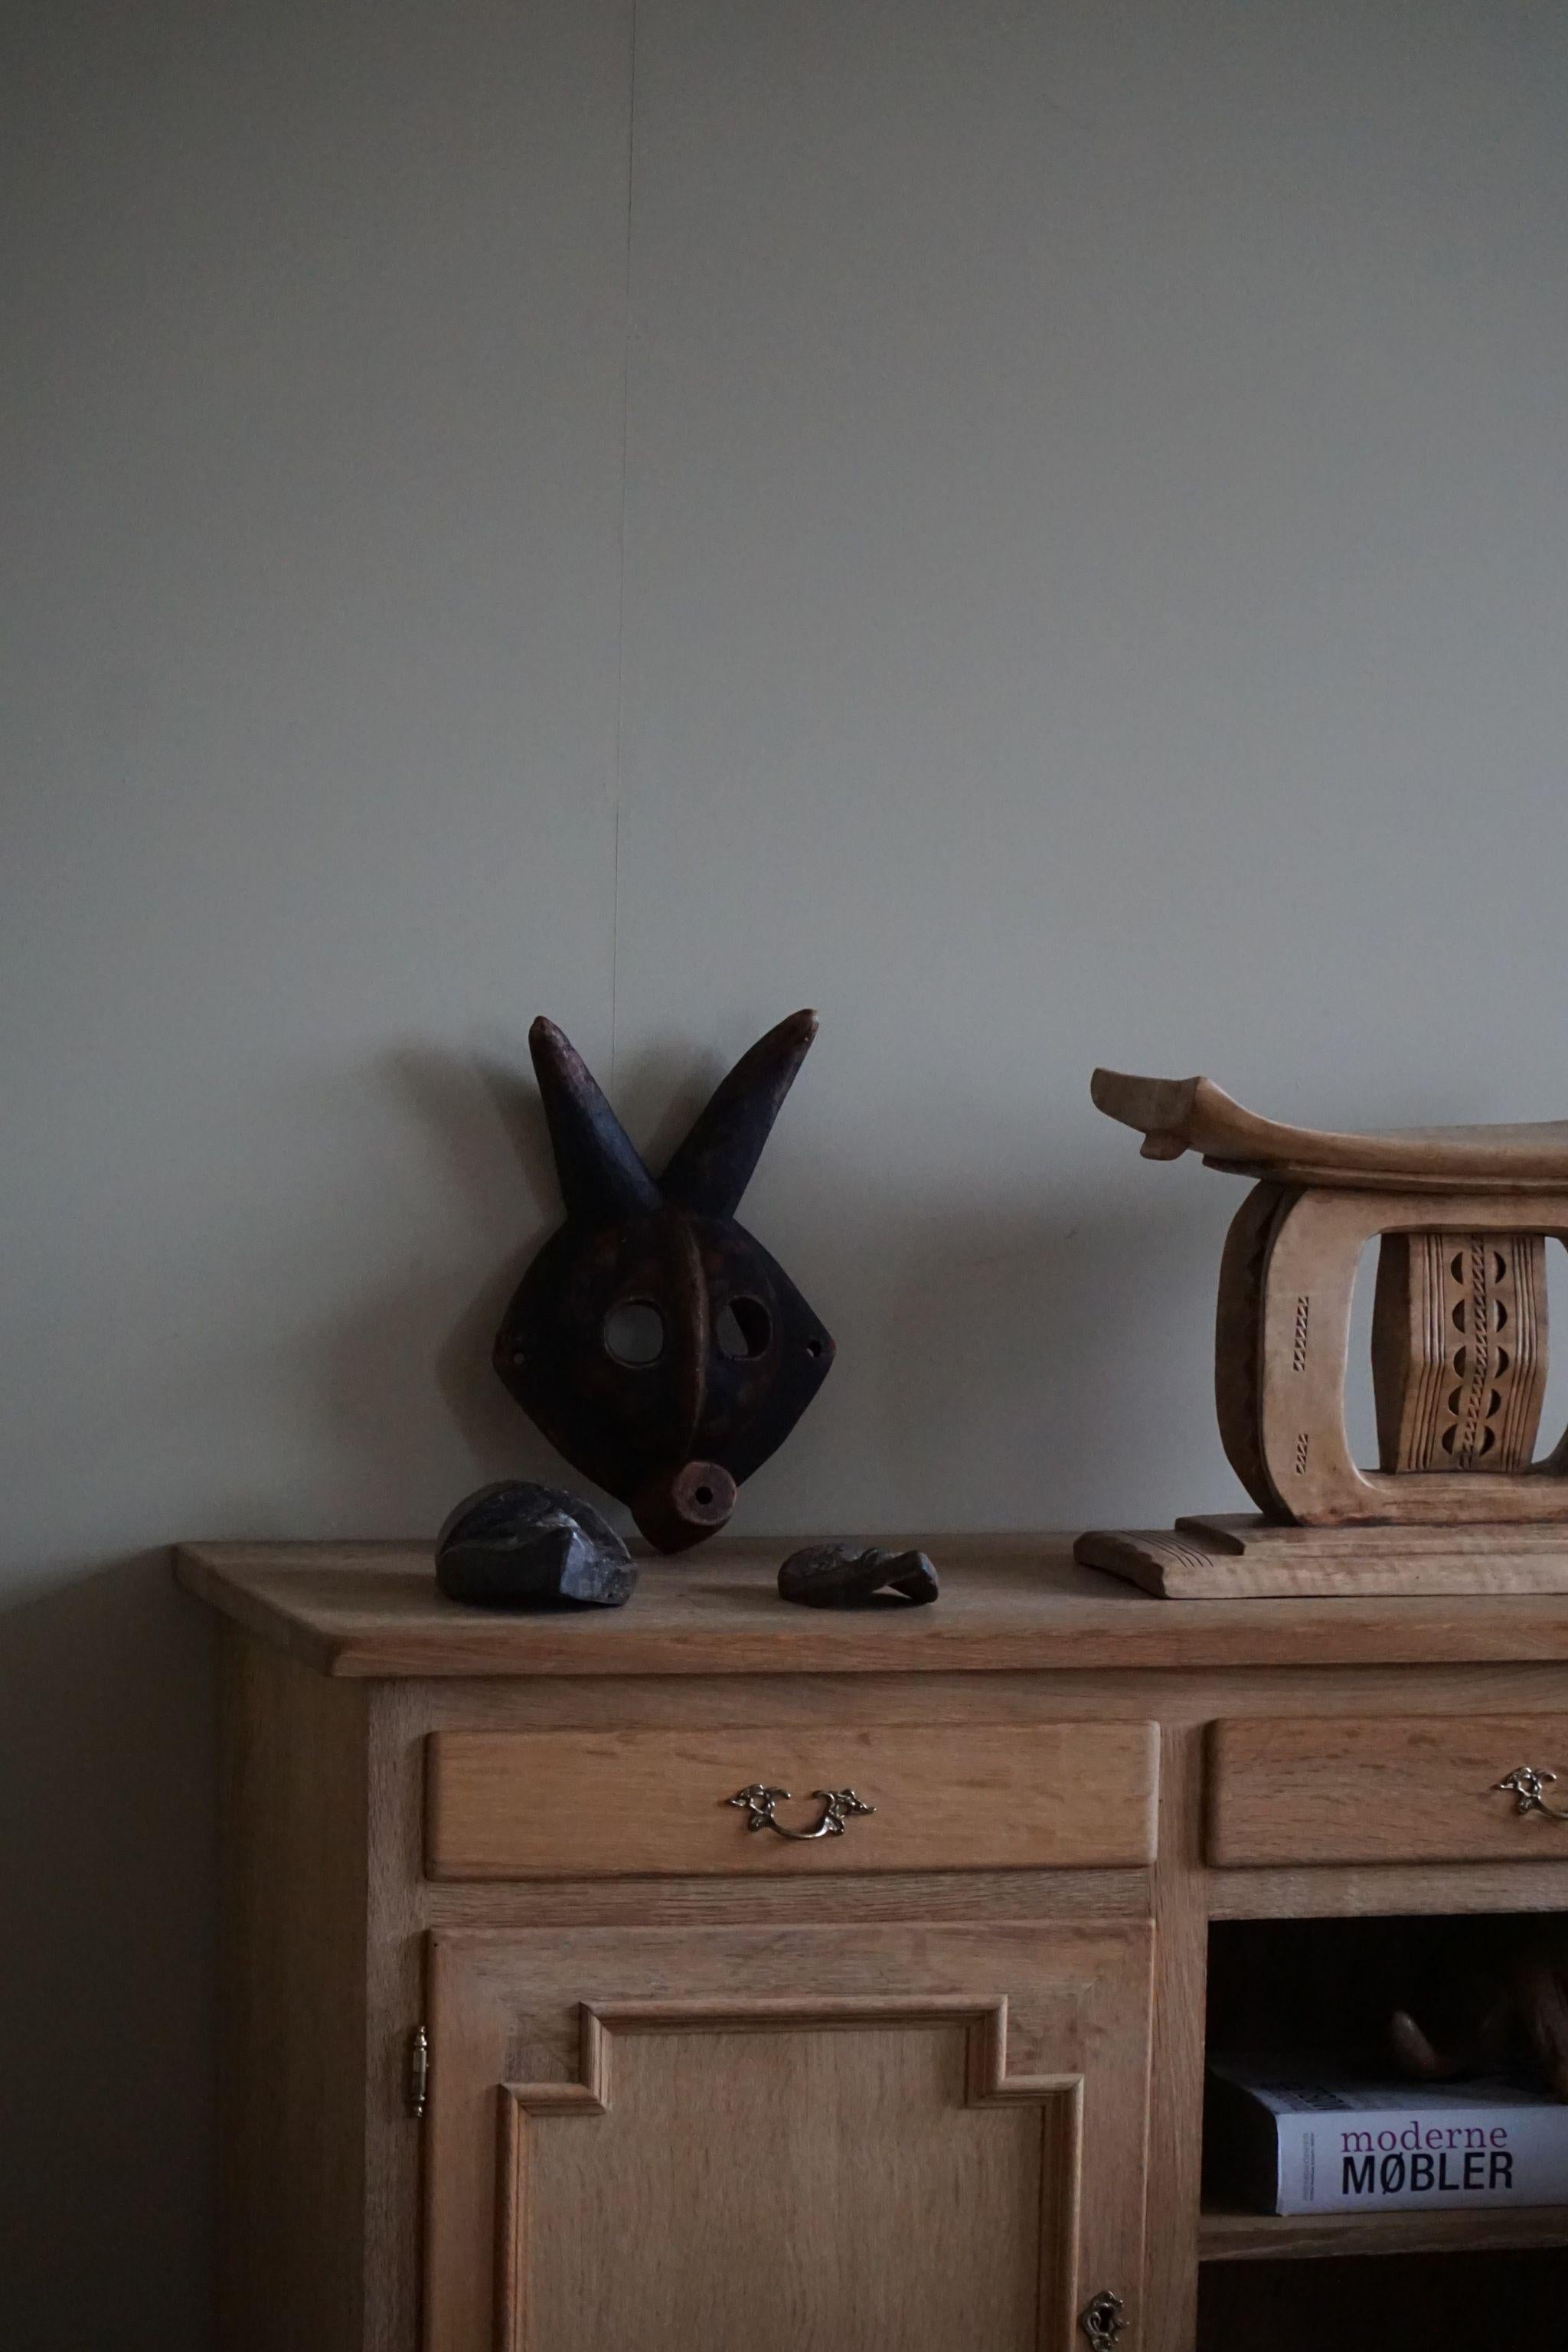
point(516, 1546)
point(845, 1575)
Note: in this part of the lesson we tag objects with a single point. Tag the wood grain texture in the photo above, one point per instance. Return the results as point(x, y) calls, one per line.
point(1177, 1115)
point(1241, 1560)
point(910, 2221)
point(750, 1901)
point(588, 1804)
point(1238, 1340)
point(1387, 1890)
point(833, 2139)
point(395, 1977)
point(1307, 1277)
point(1008, 1605)
point(802, 2138)
point(291, 2120)
point(1176, 2078)
point(326, 1939)
point(1245, 1535)
point(740, 1702)
point(1417, 1789)
point(1228, 2236)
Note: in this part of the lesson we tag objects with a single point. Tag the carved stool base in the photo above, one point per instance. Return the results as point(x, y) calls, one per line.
point(1458, 1355)
point(1242, 1558)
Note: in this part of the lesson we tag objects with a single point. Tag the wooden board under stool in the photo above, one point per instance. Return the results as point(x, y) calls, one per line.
point(1241, 1557)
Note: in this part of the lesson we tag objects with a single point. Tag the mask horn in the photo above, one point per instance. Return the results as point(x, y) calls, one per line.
point(714, 1165)
point(601, 1172)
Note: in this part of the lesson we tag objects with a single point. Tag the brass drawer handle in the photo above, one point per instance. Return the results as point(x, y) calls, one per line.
point(1526, 1784)
point(1103, 2320)
point(759, 1802)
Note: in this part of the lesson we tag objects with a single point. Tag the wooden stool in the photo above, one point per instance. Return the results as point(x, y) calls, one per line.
point(1458, 1503)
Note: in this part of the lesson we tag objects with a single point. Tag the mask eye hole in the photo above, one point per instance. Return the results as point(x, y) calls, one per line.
point(743, 1329)
point(634, 1333)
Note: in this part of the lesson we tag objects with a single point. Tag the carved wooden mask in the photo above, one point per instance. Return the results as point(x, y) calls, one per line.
point(654, 1342)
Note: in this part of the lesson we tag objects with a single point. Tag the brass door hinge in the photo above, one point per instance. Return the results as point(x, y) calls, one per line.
point(417, 2080)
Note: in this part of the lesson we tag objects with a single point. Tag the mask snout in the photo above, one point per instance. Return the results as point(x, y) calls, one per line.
point(680, 1509)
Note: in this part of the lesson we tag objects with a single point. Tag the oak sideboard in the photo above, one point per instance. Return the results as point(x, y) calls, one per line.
point(717, 1976)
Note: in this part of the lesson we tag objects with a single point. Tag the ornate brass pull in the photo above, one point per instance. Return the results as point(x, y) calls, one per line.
point(1103, 2320)
point(1526, 1784)
point(837, 1803)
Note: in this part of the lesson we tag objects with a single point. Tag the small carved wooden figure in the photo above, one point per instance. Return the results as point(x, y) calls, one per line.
point(856, 1576)
point(1504, 2011)
point(655, 1341)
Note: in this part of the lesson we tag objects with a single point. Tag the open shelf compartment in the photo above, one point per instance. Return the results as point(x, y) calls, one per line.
point(1323, 1990)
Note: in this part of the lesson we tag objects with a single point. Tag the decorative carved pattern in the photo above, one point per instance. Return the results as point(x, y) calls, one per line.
point(1459, 1349)
point(1458, 1356)
point(986, 2074)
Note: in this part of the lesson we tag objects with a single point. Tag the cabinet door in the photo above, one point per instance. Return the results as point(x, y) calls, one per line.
point(889, 2139)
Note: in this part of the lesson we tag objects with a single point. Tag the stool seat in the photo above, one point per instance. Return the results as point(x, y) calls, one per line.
point(1177, 1115)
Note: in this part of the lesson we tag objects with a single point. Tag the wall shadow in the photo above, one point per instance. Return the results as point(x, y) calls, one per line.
point(406, 1378)
point(107, 1837)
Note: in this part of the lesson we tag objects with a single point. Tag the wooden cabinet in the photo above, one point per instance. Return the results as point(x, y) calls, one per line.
point(795, 2139)
point(533, 2044)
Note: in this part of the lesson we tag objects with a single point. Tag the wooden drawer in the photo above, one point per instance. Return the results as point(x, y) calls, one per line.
point(1399, 1789)
point(584, 1804)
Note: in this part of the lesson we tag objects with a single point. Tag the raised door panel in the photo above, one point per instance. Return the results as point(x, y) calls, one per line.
point(797, 2140)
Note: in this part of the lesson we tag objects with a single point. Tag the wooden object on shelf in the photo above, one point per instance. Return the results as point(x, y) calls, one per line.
point(1465, 1387)
point(1177, 1115)
point(845, 1575)
point(527, 2031)
point(1461, 1216)
point(655, 1341)
point(1238, 1557)
point(1459, 1350)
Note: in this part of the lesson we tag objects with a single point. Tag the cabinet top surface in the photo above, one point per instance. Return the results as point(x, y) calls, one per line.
point(1015, 1604)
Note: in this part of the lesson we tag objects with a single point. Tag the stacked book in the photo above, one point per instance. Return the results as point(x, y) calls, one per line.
point(1295, 2139)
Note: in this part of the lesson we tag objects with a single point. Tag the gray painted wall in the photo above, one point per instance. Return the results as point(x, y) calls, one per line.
point(1037, 529)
